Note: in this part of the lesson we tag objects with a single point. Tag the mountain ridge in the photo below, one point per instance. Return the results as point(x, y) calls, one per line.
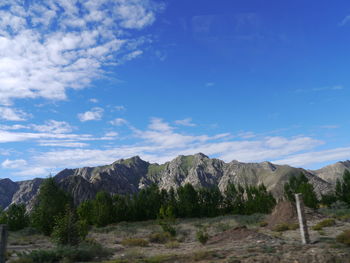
point(127, 176)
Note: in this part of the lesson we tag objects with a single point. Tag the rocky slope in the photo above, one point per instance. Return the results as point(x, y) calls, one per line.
point(131, 175)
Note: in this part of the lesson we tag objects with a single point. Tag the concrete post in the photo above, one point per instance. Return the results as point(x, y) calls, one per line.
point(3, 242)
point(302, 219)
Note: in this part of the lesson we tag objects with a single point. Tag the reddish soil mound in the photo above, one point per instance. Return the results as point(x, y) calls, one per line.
point(284, 213)
point(237, 233)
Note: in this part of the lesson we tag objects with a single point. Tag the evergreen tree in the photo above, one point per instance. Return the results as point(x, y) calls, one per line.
point(210, 200)
point(342, 190)
point(188, 201)
point(103, 210)
point(85, 211)
point(300, 184)
point(51, 203)
point(16, 217)
point(68, 230)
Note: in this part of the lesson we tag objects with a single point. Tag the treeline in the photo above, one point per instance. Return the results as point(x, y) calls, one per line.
point(55, 215)
point(53, 206)
point(185, 202)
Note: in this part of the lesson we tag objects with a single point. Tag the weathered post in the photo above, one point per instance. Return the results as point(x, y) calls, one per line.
point(302, 219)
point(3, 242)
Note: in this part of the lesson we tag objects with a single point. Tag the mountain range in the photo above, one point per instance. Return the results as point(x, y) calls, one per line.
point(127, 176)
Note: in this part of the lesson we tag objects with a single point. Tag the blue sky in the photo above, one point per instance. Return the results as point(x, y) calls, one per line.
point(84, 83)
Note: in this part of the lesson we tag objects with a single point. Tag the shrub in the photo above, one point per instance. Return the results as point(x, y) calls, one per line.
point(202, 236)
point(135, 242)
point(87, 251)
point(263, 224)
point(172, 244)
point(284, 227)
point(160, 238)
point(324, 223)
point(344, 237)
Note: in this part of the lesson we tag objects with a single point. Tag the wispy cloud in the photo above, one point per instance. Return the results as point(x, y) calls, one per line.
point(161, 142)
point(11, 114)
point(49, 46)
point(185, 122)
point(94, 114)
point(345, 21)
point(13, 164)
point(119, 122)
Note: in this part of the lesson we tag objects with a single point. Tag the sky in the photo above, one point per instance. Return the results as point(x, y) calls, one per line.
point(84, 83)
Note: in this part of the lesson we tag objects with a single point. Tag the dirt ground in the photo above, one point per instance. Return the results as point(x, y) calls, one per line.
point(232, 239)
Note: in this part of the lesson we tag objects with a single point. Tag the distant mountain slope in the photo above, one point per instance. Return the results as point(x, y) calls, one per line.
point(130, 175)
point(333, 172)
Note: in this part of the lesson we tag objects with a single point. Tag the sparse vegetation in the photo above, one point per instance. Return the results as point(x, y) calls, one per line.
point(284, 227)
point(324, 223)
point(135, 242)
point(344, 237)
point(202, 236)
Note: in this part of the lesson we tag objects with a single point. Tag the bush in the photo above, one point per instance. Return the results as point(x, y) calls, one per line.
point(87, 251)
point(160, 238)
point(344, 237)
point(135, 242)
point(202, 236)
point(324, 223)
point(263, 224)
point(172, 244)
point(284, 227)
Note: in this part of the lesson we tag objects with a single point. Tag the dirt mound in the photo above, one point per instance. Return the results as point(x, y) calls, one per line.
point(284, 213)
point(237, 233)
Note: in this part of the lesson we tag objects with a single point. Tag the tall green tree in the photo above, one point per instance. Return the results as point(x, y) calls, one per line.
point(68, 230)
point(103, 209)
point(210, 201)
point(342, 190)
point(50, 204)
point(16, 217)
point(188, 205)
point(300, 184)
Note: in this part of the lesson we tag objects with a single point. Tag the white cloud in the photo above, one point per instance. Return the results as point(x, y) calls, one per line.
point(185, 122)
point(118, 122)
point(209, 84)
point(94, 114)
point(11, 114)
point(49, 46)
point(93, 100)
point(314, 157)
point(53, 126)
point(13, 164)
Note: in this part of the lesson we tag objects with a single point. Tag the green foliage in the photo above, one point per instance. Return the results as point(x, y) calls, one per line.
point(103, 210)
point(300, 184)
point(202, 236)
point(344, 237)
point(324, 223)
point(284, 227)
point(15, 217)
point(85, 252)
point(160, 237)
point(135, 242)
point(166, 219)
point(342, 190)
point(328, 199)
point(188, 201)
point(85, 211)
point(51, 203)
point(210, 200)
point(68, 230)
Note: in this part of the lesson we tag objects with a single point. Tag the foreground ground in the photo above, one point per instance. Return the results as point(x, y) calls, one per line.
point(231, 239)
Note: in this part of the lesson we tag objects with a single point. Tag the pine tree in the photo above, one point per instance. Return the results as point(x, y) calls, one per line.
point(300, 184)
point(103, 210)
point(342, 190)
point(51, 203)
point(16, 217)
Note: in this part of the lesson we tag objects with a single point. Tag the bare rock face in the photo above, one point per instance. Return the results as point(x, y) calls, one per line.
point(333, 172)
point(130, 175)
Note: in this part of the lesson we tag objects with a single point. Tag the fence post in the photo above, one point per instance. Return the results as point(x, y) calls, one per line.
point(3, 242)
point(305, 239)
